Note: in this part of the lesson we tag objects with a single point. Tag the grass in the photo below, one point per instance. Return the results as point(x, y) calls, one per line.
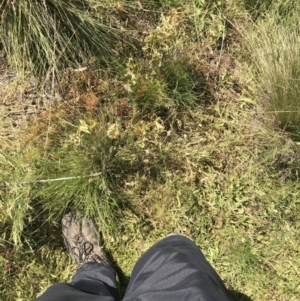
point(46, 36)
point(274, 45)
point(169, 138)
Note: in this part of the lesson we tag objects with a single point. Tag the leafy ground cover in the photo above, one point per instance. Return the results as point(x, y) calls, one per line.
point(172, 134)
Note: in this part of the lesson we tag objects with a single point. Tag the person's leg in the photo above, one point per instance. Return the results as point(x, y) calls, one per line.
point(92, 281)
point(95, 278)
point(175, 269)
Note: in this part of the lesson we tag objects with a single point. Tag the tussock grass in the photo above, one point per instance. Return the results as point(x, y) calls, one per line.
point(171, 138)
point(274, 44)
point(41, 36)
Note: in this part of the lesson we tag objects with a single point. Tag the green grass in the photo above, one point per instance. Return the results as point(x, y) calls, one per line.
point(41, 37)
point(274, 44)
point(169, 138)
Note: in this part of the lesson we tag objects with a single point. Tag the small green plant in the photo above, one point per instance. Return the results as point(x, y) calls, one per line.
point(257, 8)
point(184, 85)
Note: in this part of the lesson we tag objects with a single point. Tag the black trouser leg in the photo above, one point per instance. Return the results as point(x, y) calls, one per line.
point(92, 281)
point(175, 269)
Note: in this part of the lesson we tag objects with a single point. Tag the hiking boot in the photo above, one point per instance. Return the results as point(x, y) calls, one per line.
point(82, 240)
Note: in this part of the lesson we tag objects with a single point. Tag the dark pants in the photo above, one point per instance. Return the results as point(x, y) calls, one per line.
point(173, 269)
